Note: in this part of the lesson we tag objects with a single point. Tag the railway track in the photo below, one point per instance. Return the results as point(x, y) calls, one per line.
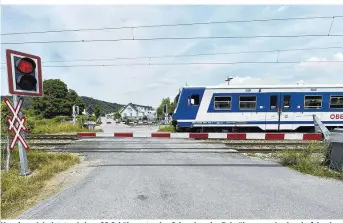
point(47, 140)
point(67, 143)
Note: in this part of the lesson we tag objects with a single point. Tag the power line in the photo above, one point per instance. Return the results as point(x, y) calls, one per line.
point(191, 63)
point(192, 55)
point(172, 25)
point(199, 54)
point(172, 38)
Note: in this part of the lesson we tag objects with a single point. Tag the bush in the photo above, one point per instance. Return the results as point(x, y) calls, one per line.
point(30, 123)
point(166, 128)
point(61, 118)
point(32, 113)
point(92, 119)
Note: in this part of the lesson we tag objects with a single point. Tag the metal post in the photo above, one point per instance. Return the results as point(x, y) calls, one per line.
point(8, 154)
point(74, 115)
point(279, 119)
point(24, 170)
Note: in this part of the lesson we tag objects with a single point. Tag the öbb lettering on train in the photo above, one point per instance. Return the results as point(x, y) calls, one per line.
point(336, 116)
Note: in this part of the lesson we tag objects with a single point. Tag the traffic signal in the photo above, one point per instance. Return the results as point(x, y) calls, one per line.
point(24, 73)
point(76, 110)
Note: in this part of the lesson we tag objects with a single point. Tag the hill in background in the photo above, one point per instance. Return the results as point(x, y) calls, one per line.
point(105, 107)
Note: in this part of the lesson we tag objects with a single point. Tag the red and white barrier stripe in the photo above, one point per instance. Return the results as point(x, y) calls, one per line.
point(237, 136)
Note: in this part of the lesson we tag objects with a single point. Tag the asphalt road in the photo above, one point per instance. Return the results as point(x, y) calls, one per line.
point(119, 127)
point(174, 185)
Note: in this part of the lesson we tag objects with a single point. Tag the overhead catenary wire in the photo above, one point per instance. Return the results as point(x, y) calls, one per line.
point(197, 55)
point(171, 38)
point(172, 25)
point(192, 55)
point(193, 63)
point(190, 63)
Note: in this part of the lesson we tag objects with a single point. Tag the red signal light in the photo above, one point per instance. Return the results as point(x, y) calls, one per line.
point(26, 65)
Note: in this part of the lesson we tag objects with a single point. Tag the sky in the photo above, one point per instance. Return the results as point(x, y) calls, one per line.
point(147, 85)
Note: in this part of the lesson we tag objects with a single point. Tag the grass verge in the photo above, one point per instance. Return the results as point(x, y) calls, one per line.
point(166, 128)
point(18, 192)
point(310, 160)
point(53, 127)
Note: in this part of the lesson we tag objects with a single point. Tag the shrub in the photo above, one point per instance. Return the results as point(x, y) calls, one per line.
point(61, 118)
point(166, 128)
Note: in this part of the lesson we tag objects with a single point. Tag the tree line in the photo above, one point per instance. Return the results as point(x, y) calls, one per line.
point(58, 99)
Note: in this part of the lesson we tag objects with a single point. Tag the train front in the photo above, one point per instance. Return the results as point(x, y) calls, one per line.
point(176, 103)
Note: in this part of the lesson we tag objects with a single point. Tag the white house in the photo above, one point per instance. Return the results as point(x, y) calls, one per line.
point(135, 111)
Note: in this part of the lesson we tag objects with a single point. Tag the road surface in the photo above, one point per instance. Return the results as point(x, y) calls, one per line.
point(177, 185)
point(119, 127)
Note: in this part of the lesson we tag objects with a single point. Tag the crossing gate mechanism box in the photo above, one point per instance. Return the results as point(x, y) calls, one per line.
point(336, 156)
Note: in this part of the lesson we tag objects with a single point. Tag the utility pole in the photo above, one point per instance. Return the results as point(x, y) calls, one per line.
point(228, 80)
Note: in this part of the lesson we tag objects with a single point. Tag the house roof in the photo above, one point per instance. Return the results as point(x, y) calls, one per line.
point(143, 106)
point(134, 106)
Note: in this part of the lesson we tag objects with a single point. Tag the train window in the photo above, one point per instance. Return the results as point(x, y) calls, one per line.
point(273, 102)
point(336, 101)
point(222, 103)
point(314, 102)
point(195, 99)
point(286, 102)
point(247, 102)
point(176, 99)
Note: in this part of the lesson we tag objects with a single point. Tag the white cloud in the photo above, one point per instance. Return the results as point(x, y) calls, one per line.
point(323, 63)
point(338, 57)
point(248, 80)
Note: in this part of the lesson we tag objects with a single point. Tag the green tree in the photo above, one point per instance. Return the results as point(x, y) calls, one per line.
point(4, 113)
point(74, 99)
point(117, 115)
point(57, 99)
point(97, 110)
point(170, 107)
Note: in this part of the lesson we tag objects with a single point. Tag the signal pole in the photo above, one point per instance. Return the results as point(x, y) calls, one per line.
point(75, 113)
point(24, 170)
point(24, 78)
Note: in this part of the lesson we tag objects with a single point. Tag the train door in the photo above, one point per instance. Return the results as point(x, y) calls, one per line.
point(278, 114)
point(285, 112)
point(272, 115)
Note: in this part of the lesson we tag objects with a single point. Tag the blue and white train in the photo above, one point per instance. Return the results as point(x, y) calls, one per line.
point(256, 108)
